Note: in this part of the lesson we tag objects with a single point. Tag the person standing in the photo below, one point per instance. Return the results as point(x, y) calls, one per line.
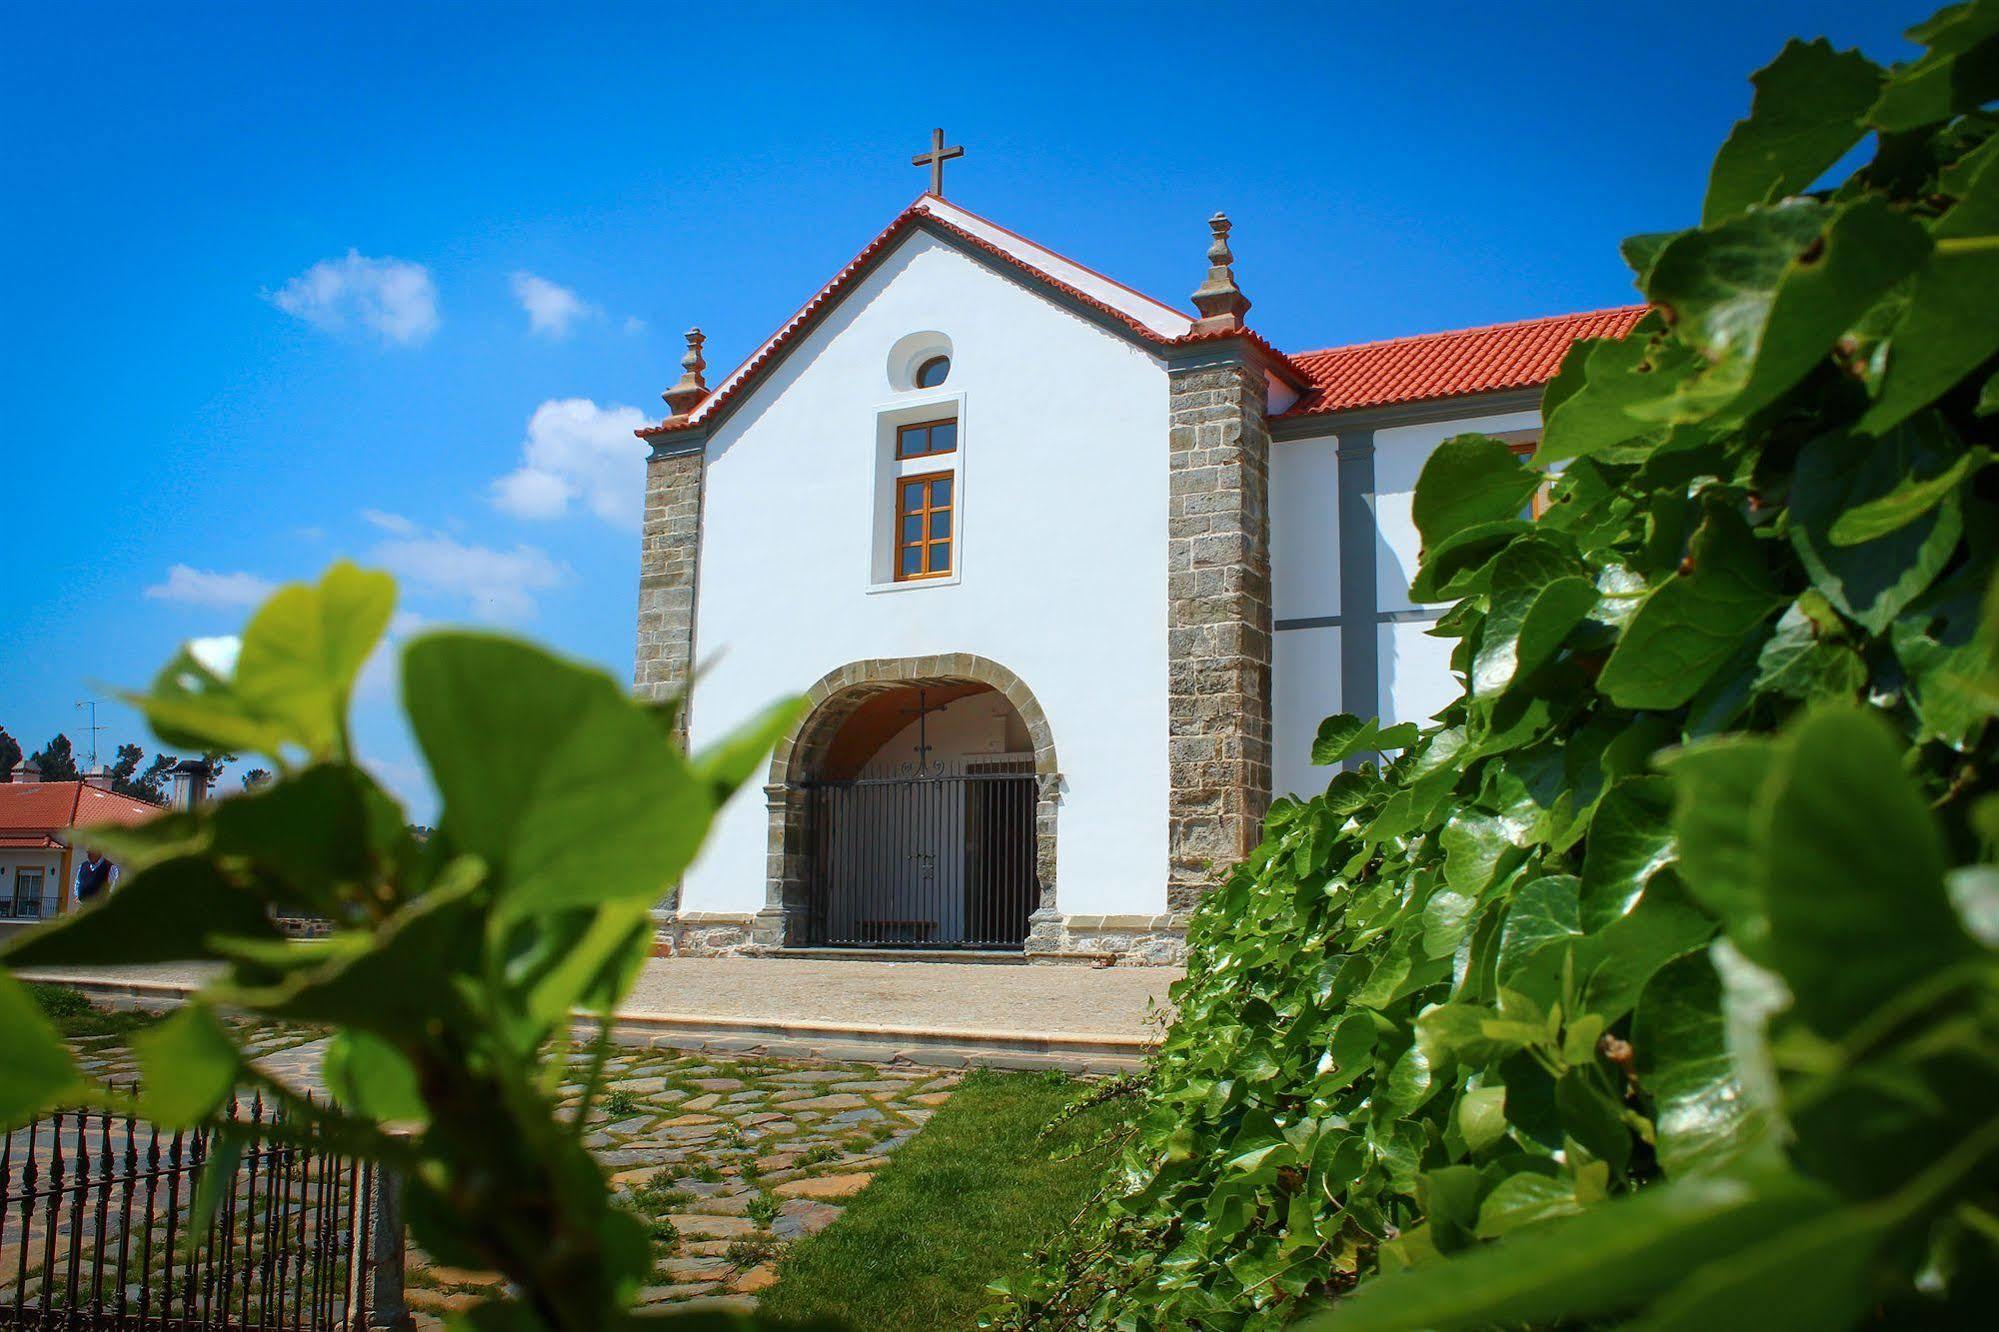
point(94, 876)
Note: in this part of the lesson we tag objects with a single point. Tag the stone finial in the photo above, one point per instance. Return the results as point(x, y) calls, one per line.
point(1220, 301)
point(692, 389)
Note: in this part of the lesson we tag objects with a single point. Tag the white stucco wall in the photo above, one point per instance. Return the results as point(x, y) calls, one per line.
point(1061, 569)
point(1304, 585)
point(1413, 669)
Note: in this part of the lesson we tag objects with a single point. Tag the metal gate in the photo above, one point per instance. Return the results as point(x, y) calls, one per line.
point(928, 861)
point(94, 1210)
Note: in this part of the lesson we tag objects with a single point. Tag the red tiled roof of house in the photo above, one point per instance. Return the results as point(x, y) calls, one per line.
point(1522, 354)
point(44, 808)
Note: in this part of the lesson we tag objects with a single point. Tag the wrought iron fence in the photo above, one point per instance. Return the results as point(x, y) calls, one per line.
point(95, 1216)
point(934, 860)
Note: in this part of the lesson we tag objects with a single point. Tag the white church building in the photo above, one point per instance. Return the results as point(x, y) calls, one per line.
point(1068, 575)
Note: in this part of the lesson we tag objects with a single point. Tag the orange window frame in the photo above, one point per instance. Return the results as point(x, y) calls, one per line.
point(1524, 448)
point(903, 432)
point(925, 543)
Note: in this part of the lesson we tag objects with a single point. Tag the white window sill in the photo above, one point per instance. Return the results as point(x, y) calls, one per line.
point(915, 584)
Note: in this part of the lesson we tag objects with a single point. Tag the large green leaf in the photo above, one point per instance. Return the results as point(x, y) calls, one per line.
point(1344, 736)
point(187, 1067)
point(1607, 1260)
point(1690, 625)
point(1960, 71)
point(1716, 786)
point(1630, 841)
point(1704, 1119)
point(1872, 581)
point(1947, 330)
point(1942, 651)
point(1468, 480)
point(175, 911)
point(287, 681)
point(1805, 658)
point(1816, 1275)
point(1853, 869)
point(1764, 297)
point(1539, 593)
point(521, 745)
point(1810, 107)
point(303, 649)
point(38, 1069)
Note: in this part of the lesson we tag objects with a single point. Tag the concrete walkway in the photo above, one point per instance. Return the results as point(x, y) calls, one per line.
point(944, 1013)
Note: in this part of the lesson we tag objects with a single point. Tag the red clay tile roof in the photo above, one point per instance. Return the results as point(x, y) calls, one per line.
point(28, 842)
point(28, 808)
point(1445, 365)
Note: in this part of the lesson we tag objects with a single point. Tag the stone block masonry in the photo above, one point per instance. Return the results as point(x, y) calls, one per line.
point(1218, 618)
point(668, 554)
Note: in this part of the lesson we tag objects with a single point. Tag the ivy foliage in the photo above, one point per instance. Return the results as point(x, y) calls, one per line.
point(455, 961)
point(1657, 977)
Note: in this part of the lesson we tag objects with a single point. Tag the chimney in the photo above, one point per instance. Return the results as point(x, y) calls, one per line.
point(190, 783)
point(99, 777)
point(1220, 301)
point(27, 770)
point(692, 390)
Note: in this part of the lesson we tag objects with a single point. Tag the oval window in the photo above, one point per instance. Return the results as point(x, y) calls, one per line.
point(933, 372)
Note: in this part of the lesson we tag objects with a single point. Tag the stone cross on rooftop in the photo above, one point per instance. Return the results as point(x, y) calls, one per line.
point(935, 160)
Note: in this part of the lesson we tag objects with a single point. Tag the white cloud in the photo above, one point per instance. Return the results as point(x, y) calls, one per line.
point(553, 310)
point(390, 522)
point(390, 297)
point(576, 450)
point(496, 584)
point(634, 325)
point(201, 587)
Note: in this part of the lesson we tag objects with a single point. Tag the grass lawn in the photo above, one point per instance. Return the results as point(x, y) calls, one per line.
point(74, 1016)
point(960, 1205)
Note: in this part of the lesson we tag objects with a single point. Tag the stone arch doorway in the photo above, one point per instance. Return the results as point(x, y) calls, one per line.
point(913, 805)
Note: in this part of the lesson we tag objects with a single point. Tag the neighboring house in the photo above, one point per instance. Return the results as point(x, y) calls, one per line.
point(1068, 575)
point(40, 823)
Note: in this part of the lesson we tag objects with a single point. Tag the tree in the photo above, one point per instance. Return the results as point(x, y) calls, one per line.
point(10, 754)
point(152, 783)
point(57, 760)
point(255, 778)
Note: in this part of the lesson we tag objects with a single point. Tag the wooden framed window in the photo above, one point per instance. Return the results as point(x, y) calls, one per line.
point(926, 439)
point(924, 506)
point(1522, 443)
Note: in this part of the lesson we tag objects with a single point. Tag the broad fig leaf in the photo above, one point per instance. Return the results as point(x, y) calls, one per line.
point(303, 649)
point(1346, 736)
point(1630, 841)
point(1717, 784)
point(1947, 331)
point(1617, 412)
point(370, 1076)
point(1873, 581)
point(1959, 72)
point(1690, 625)
point(1913, 497)
point(175, 911)
point(1765, 296)
point(518, 741)
point(1544, 911)
point(1523, 1199)
point(39, 1071)
point(1704, 1118)
point(1810, 108)
point(1940, 648)
point(1616, 963)
point(1804, 658)
point(735, 758)
point(1538, 595)
point(1468, 480)
point(1853, 864)
point(1815, 1275)
point(187, 1067)
point(1609, 1259)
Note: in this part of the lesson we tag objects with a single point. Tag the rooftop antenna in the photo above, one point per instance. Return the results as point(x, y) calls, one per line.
point(93, 728)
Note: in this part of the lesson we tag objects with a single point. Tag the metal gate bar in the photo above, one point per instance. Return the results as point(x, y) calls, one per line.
point(93, 1218)
point(934, 861)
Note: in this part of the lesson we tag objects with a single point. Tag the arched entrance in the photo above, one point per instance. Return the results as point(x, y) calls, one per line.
point(914, 808)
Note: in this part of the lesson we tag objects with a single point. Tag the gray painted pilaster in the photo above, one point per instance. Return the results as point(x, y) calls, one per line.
point(1360, 632)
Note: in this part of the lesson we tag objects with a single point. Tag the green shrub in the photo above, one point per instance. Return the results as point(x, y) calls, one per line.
point(620, 1104)
point(1659, 973)
point(763, 1209)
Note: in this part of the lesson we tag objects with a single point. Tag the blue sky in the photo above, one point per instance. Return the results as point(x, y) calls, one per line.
point(291, 283)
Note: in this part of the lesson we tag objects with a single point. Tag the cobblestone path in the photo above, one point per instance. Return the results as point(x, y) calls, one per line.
point(729, 1160)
